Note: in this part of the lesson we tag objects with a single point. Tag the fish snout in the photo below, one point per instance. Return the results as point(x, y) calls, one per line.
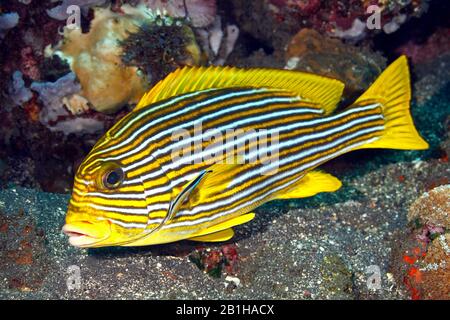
point(86, 233)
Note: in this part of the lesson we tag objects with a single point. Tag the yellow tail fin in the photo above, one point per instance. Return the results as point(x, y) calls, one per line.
point(393, 91)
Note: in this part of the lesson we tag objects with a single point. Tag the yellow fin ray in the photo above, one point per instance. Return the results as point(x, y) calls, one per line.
point(219, 176)
point(311, 184)
point(324, 91)
point(219, 236)
point(393, 91)
point(226, 225)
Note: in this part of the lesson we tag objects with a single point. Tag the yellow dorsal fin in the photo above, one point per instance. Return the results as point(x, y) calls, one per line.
point(219, 236)
point(311, 184)
point(312, 88)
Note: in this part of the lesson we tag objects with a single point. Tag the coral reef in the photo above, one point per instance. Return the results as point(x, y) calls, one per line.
point(433, 208)
point(29, 64)
point(62, 101)
point(8, 21)
point(201, 13)
point(218, 41)
point(159, 48)
point(95, 59)
point(437, 44)
point(60, 12)
point(136, 46)
point(426, 257)
point(17, 91)
point(215, 262)
point(428, 269)
point(312, 52)
point(435, 275)
point(23, 46)
point(344, 19)
point(52, 93)
point(431, 53)
point(61, 89)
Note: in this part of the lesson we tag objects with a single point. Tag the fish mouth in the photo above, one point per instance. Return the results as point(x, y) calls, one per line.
point(85, 234)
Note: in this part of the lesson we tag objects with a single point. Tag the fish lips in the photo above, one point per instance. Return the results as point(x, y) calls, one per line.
point(85, 234)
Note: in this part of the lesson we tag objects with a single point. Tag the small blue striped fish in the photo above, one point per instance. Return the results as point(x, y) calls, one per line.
point(141, 186)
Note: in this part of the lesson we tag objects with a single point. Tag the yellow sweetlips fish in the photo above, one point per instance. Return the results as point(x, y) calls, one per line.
point(155, 178)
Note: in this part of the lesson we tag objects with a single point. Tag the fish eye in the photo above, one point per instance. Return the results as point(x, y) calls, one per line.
point(113, 178)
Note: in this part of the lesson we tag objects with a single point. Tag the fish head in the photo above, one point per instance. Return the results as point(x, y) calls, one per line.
point(104, 210)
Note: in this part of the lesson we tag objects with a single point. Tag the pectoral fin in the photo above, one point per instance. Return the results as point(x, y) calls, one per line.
point(218, 180)
point(219, 236)
point(183, 195)
point(208, 183)
point(311, 184)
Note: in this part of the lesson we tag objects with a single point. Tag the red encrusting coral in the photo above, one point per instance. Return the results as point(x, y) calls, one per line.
point(413, 276)
point(425, 259)
point(213, 262)
point(29, 64)
point(32, 109)
point(436, 45)
point(22, 255)
point(336, 17)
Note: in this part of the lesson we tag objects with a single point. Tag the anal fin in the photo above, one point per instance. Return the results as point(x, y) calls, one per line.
point(223, 226)
point(219, 236)
point(311, 184)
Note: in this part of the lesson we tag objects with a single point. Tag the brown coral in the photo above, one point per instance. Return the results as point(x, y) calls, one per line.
point(428, 256)
point(433, 208)
point(96, 60)
point(436, 273)
point(312, 52)
point(160, 49)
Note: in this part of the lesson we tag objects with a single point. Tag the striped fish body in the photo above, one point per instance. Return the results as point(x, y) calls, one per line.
point(195, 162)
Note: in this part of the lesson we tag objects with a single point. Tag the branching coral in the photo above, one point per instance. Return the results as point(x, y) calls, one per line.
point(52, 93)
point(61, 102)
point(17, 90)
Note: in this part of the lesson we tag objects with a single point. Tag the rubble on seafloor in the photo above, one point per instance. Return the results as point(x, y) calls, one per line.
point(62, 89)
point(23, 252)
